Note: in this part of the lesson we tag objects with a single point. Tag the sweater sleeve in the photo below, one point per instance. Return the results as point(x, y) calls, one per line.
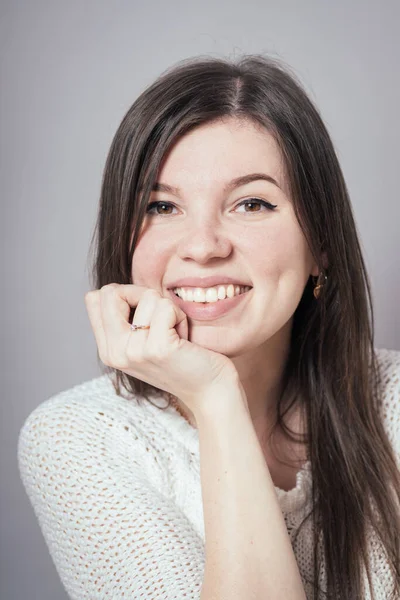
point(110, 531)
point(389, 410)
point(389, 361)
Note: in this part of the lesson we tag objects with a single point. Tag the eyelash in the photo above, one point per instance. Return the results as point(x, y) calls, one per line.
point(247, 201)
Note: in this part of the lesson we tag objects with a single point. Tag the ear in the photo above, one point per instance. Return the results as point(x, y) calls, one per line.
point(325, 264)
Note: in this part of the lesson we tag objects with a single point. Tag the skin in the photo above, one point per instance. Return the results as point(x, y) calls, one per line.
point(206, 232)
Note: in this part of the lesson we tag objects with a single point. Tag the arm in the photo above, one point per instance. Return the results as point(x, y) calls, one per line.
point(92, 481)
point(248, 550)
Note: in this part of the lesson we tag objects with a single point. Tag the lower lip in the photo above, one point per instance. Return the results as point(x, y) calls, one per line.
point(204, 311)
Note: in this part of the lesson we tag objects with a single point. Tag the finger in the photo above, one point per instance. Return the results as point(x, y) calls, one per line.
point(182, 326)
point(116, 302)
point(162, 333)
point(164, 326)
point(135, 348)
point(144, 313)
point(115, 312)
point(93, 307)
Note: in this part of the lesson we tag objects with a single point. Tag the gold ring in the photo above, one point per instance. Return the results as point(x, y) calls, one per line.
point(135, 327)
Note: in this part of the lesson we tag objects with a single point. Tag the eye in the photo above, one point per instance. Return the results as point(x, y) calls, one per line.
point(251, 201)
point(156, 205)
point(255, 201)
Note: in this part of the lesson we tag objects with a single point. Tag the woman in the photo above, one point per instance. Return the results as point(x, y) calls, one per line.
point(229, 280)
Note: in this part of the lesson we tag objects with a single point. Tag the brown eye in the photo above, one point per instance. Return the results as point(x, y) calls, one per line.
point(156, 205)
point(255, 201)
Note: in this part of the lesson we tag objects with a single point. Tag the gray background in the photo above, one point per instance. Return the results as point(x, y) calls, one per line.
point(69, 72)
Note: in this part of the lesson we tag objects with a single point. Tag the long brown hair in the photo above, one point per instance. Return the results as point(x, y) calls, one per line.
point(332, 364)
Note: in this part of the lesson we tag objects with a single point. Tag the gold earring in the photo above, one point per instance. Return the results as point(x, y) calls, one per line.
point(320, 282)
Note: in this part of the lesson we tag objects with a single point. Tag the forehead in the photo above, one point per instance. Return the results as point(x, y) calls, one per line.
point(214, 153)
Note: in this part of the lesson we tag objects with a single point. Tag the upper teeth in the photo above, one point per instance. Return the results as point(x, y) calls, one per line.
point(212, 294)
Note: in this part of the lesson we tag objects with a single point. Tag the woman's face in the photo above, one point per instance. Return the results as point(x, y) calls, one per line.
point(203, 230)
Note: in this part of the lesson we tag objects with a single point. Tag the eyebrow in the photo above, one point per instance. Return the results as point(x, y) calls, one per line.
point(231, 185)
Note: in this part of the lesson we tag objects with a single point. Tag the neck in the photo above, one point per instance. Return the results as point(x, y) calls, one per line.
point(261, 375)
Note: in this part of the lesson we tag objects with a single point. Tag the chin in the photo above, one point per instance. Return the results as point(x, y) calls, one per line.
point(209, 337)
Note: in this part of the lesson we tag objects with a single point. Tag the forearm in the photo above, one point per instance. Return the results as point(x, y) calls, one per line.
point(248, 551)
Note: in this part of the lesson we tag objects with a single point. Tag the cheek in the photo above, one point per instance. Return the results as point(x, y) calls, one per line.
point(148, 261)
point(277, 249)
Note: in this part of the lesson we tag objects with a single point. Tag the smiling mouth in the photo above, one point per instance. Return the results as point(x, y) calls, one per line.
point(212, 295)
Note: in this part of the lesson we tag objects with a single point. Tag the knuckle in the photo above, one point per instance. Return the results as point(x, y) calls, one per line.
point(109, 287)
point(89, 296)
point(152, 292)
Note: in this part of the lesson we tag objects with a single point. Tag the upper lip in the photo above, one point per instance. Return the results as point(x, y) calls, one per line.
point(205, 282)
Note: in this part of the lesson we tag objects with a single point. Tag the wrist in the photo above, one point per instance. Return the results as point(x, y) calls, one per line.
point(221, 400)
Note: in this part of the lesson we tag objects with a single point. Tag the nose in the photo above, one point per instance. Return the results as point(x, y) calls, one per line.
point(203, 241)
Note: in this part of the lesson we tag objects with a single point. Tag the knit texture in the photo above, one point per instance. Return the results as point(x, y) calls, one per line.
point(116, 489)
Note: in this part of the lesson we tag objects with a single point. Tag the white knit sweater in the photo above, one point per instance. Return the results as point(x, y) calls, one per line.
point(116, 490)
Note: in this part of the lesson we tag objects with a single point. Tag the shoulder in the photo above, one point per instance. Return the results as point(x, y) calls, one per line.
point(93, 466)
point(389, 406)
point(389, 371)
point(84, 424)
point(389, 361)
point(77, 409)
point(81, 407)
